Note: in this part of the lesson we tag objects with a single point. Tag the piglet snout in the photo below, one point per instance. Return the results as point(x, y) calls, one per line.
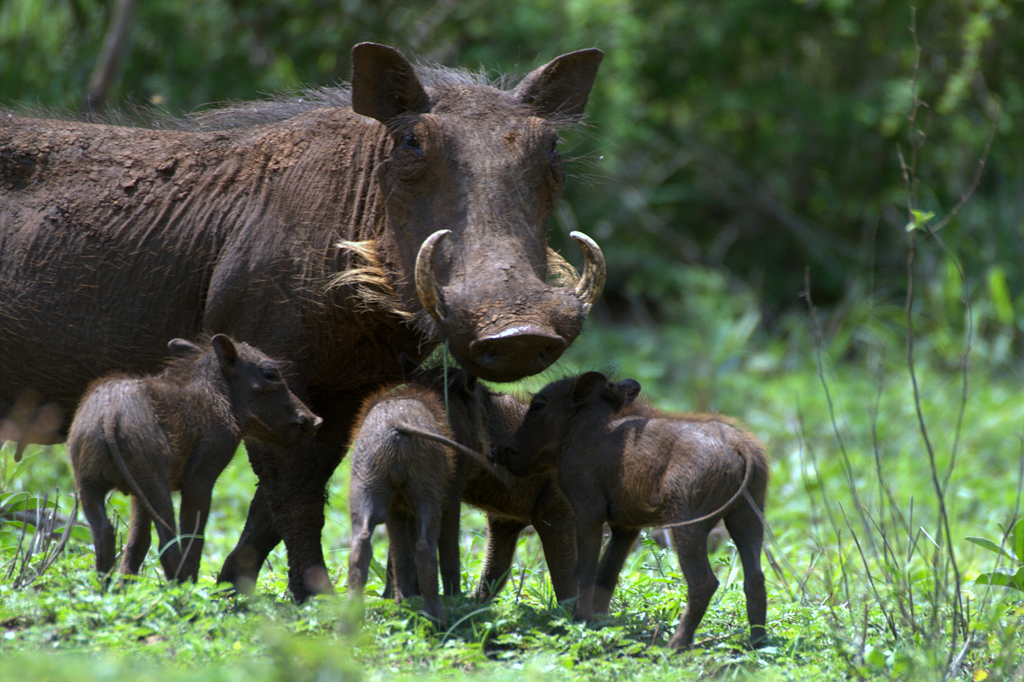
point(499, 454)
point(309, 423)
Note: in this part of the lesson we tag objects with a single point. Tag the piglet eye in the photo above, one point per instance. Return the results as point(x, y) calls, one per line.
point(554, 149)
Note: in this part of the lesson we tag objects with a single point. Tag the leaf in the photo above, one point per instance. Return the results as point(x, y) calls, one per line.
point(919, 220)
point(10, 501)
point(18, 470)
point(875, 657)
point(380, 570)
point(999, 294)
point(34, 502)
point(1016, 540)
point(18, 526)
point(1016, 581)
point(988, 544)
point(81, 534)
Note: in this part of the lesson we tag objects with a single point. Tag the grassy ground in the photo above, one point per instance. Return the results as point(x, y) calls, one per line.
point(869, 571)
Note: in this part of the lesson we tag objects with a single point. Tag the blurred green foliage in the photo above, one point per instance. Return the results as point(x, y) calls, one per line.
point(754, 137)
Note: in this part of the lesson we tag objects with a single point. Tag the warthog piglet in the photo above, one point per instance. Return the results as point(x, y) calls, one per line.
point(413, 484)
point(149, 435)
point(634, 467)
point(510, 502)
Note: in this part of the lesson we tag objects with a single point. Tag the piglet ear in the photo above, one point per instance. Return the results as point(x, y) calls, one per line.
point(410, 367)
point(182, 347)
point(620, 394)
point(461, 381)
point(588, 387)
point(226, 352)
point(630, 390)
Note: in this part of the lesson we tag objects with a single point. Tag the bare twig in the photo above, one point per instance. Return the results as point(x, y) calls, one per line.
point(847, 466)
point(960, 625)
point(965, 197)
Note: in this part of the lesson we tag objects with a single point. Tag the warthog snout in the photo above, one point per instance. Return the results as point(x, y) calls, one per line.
point(533, 348)
point(502, 321)
point(512, 459)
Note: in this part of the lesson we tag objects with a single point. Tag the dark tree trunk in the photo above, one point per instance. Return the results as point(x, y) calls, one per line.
point(110, 56)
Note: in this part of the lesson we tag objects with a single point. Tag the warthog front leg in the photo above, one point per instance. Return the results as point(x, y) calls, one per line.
point(258, 539)
point(615, 555)
point(588, 549)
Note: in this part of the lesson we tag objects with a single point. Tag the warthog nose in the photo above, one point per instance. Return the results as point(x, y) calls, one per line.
point(516, 352)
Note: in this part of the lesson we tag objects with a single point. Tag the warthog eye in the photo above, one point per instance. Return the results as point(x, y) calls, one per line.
point(271, 375)
point(412, 142)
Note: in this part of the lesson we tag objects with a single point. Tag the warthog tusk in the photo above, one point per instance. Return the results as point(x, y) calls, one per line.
point(426, 287)
point(591, 284)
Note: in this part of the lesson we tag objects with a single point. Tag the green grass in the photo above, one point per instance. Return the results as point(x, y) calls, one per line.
point(864, 591)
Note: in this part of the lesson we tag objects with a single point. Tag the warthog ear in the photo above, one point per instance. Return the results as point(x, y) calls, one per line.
point(384, 84)
point(226, 352)
point(561, 87)
point(182, 347)
point(588, 387)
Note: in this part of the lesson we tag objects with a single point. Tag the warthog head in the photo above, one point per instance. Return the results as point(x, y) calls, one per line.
point(471, 179)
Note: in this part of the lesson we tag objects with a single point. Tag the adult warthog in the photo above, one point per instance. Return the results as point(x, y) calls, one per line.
point(337, 229)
